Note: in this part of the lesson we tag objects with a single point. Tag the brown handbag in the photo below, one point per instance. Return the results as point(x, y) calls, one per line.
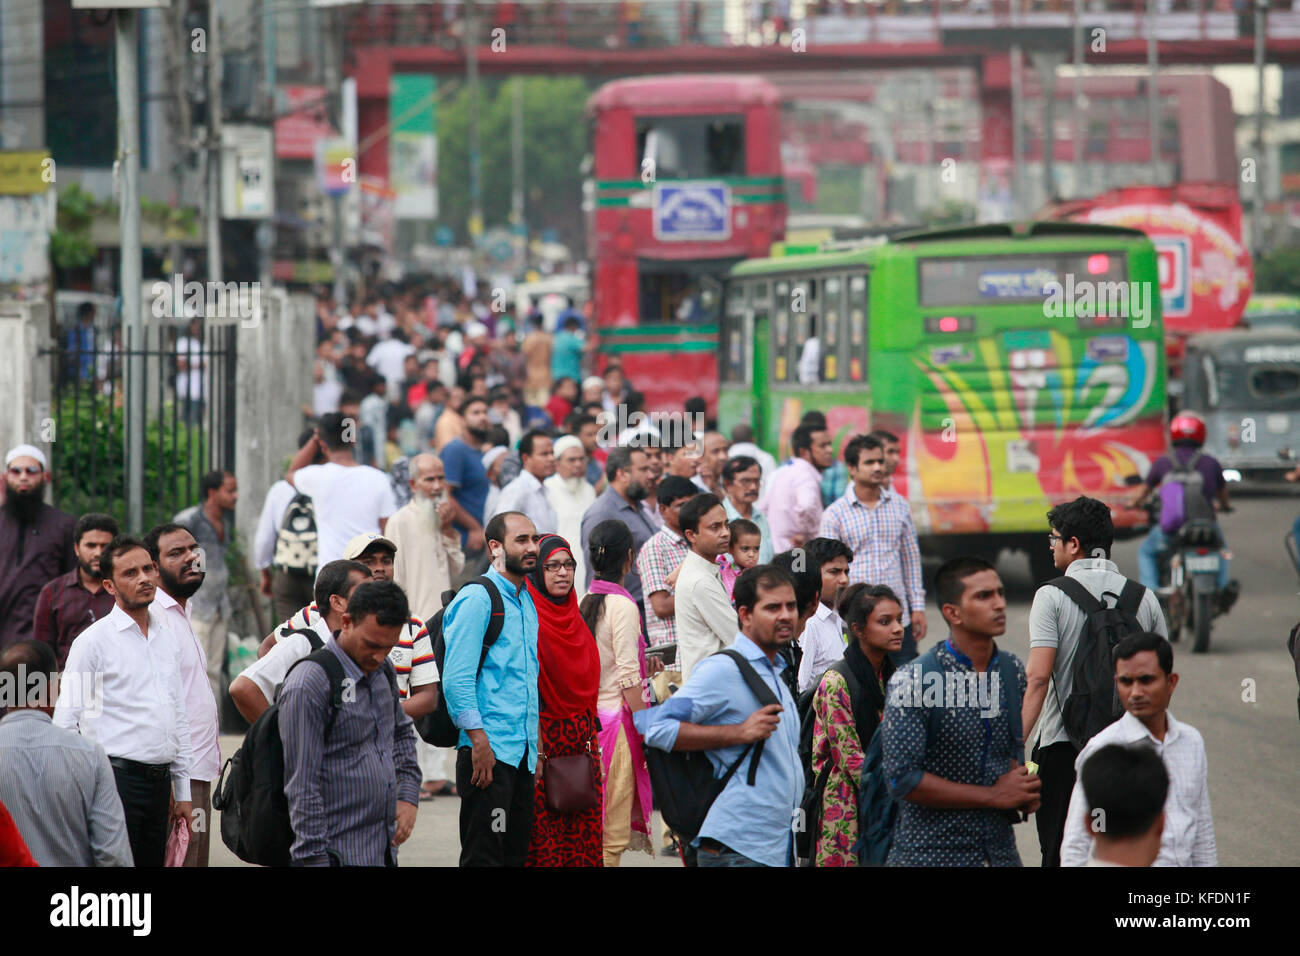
point(571, 782)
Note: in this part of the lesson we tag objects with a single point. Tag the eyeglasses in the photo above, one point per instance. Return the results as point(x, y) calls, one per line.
point(556, 566)
point(17, 470)
point(751, 482)
point(1053, 538)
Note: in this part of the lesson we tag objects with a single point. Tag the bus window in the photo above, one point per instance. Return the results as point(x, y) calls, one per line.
point(857, 319)
point(691, 147)
point(667, 294)
point(731, 364)
point(781, 330)
point(806, 352)
point(832, 328)
point(1276, 384)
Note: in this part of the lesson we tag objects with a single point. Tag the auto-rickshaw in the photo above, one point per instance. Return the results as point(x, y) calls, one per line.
point(1246, 385)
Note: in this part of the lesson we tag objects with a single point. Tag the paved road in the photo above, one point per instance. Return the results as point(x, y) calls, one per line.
point(1253, 745)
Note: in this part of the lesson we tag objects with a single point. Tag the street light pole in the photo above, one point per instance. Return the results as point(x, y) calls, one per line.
point(127, 40)
point(1153, 93)
point(214, 143)
point(1257, 213)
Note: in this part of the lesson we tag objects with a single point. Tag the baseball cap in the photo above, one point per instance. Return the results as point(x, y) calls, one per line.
point(362, 542)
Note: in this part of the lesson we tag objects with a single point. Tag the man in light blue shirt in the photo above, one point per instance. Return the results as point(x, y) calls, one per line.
point(716, 711)
point(495, 707)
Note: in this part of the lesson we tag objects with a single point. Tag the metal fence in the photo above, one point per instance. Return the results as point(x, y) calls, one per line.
point(188, 421)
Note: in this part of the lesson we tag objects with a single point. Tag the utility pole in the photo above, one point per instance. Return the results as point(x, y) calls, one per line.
point(127, 40)
point(1153, 92)
point(266, 228)
point(475, 145)
point(1257, 213)
point(517, 172)
point(1078, 99)
point(1017, 133)
point(333, 60)
point(214, 142)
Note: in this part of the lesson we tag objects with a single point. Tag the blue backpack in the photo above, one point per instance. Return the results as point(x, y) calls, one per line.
point(877, 806)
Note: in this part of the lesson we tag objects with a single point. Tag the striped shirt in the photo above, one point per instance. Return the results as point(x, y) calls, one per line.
point(343, 788)
point(60, 789)
point(883, 542)
point(660, 557)
point(412, 656)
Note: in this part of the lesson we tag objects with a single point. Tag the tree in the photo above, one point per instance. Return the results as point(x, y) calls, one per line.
point(555, 141)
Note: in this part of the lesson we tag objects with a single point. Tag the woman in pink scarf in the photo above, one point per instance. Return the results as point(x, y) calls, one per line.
point(612, 616)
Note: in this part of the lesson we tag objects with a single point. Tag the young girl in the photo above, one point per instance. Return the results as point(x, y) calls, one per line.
point(746, 540)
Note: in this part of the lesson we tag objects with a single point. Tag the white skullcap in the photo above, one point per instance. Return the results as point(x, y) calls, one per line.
point(475, 330)
point(593, 381)
point(492, 454)
point(27, 451)
point(565, 442)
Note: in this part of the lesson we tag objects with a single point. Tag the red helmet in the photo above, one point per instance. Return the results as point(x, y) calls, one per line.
point(1187, 427)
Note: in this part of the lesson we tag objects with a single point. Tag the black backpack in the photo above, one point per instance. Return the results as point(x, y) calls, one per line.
point(254, 809)
point(810, 807)
point(296, 542)
point(1094, 703)
point(683, 782)
point(436, 727)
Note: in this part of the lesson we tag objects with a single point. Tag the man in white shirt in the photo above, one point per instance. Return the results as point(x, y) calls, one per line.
point(822, 640)
point(122, 687)
point(176, 552)
point(349, 499)
point(526, 493)
point(1145, 680)
point(571, 495)
point(793, 503)
point(287, 589)
point(388, 358)
point(1125, 787)
point(706, 620)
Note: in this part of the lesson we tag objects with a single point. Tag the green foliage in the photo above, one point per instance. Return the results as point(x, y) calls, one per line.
point(70, 245)
point(1279, 271)
point(555, 141)
point(949, 212)
point(89, 459)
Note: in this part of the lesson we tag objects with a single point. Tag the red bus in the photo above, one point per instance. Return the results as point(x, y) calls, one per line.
point(684, 181)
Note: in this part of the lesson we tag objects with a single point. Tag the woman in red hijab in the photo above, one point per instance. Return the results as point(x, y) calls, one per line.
point(568, 681)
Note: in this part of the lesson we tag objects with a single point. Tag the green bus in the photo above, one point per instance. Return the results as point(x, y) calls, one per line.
point(1020, 365)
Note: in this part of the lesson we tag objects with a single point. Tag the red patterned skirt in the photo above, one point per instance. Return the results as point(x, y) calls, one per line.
point(566, 839)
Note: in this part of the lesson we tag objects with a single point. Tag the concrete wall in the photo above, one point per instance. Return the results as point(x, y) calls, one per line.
point(274, 381)
point(24, 377)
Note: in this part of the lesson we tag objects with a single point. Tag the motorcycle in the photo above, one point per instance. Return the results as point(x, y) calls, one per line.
point(1189, 593)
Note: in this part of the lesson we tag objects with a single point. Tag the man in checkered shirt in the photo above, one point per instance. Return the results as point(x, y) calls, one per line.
point(661, 556)
point(876, 523)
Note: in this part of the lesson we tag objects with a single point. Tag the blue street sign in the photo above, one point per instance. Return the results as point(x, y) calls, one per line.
point(692, 211)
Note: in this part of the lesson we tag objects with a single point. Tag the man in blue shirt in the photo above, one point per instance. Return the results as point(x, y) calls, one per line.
point(462, 460)
point(957, 775)
point(716, 711)
point(566, 357)
point(495, 708)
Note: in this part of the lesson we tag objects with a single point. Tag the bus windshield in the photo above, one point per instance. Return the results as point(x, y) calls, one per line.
point(691, 147)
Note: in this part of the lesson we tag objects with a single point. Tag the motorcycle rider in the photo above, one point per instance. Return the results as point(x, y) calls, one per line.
point(1186, 435)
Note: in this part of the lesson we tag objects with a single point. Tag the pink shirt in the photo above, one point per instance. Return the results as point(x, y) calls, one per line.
point(199, 702)
point(793, 503)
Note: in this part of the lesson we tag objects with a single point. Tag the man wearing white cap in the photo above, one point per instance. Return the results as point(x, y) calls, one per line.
point(526, 494)
point(36, 544)
point(571, 495)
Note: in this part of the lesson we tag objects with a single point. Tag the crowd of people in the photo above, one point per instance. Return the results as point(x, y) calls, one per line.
point(452, 519)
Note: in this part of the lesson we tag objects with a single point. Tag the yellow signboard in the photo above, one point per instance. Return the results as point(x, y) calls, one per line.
point(27, 173)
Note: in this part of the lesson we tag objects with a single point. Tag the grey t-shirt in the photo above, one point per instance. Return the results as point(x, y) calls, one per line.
point(1056, 621)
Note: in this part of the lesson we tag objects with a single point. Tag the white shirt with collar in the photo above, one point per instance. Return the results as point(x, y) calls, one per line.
point(706, 621)
point(124, 690)
point(199, 702)
point(527, 494)
point(1188, 839)
point(823, 644)
point(269, 671)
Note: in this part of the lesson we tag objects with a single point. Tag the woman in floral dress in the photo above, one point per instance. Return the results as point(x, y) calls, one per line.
point(841, 730)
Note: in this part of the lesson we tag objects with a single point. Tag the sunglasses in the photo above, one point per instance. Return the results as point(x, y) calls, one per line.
point(33, 470)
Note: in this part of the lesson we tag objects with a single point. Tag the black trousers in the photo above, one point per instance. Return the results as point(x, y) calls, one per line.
point(496, 823)
point(146, 803)
point(1056, 770)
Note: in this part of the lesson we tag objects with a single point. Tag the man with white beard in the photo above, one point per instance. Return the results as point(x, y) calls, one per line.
point(428, 557)
point(571, 495)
